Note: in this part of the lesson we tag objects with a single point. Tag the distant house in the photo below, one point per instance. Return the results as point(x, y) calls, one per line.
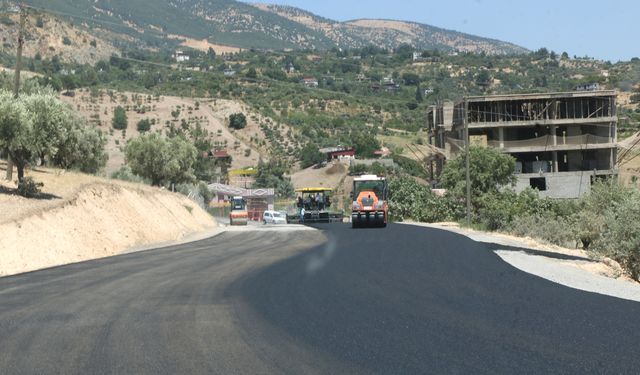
point(588, 87)
point(309, 82)
point(428, 91)
point(387, 80)
point(417, 56)
point(290, 69)
point(229, 72)
point(391, 87)
point(220, 154)
point(338, 153)
point(181, 56)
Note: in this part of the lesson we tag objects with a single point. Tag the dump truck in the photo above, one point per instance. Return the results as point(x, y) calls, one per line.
point(369, 207)
point(238, 214)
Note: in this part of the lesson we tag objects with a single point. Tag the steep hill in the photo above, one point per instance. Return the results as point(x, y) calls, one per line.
point(229, 22)
point(47, 36)
point(391, 33)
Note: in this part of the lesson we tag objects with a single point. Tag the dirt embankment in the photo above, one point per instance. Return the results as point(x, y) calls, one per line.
point(84, 217)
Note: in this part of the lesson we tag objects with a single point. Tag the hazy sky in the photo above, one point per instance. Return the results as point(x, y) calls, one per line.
point(605, 29)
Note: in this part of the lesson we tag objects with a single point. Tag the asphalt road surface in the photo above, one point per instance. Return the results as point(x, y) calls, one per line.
point(390, 301)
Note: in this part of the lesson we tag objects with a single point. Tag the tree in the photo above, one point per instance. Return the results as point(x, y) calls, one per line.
point(119, 120)
point(237, 121)
point(404, 51)
point(271, 175)
point(365, 143)
point(66, 41)
point(16, 131)
point(144, 125)
point(211, 53)
point(82, 149)
point(251, 73)
point(409, 199)
point(309, 155)
point(161, 160)
point(40, 125)
point(410, 79)
point(39, 23)
point(489, 169)
point(483, 78)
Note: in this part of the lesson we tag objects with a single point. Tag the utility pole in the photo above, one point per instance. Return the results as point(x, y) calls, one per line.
point(466, 151)
point(16, 88)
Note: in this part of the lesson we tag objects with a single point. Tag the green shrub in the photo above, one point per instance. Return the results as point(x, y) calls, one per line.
point(555, 230)
point(125, 174)
point(408, 199)
point(620, 239)
point(29, 188)
point(237, 121)
point(119, 120)
point(497, 210)
point(144, 125)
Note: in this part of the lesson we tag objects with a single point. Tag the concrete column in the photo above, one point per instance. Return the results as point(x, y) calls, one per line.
point(554, 131)
point(612, 159)
point(555, 161)
point(501, 136)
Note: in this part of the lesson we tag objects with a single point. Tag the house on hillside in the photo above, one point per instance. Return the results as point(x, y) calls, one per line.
point(588, 87)
point(338, 153)
point(181, 56)
point(309, 82)
point(562, 142)
point(229, 72)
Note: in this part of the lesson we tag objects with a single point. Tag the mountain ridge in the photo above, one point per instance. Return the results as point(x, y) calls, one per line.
point(266, 26)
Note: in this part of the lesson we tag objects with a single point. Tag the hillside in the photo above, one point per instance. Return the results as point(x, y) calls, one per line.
point(48, 36)
point(389, 34)
point(83, 217)
point(244, 146)
point(233, 23)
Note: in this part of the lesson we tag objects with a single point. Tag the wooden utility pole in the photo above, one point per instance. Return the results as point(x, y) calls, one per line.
point(466, 151)
point(16, 88)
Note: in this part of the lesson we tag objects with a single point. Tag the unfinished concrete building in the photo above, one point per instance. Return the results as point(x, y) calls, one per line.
point(562, 142)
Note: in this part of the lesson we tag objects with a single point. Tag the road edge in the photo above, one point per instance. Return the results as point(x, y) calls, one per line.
point(554, 270)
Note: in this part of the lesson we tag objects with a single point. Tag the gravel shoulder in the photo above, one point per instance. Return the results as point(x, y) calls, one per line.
point(569, 267)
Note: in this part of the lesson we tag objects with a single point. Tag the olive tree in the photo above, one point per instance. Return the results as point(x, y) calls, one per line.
point(489, 169)
point(83, 148)
point(161, 160)
point(16, 131)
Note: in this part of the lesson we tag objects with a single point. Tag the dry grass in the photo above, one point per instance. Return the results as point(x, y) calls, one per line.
point(329, 176)
point(86, 217)
point(212, 115)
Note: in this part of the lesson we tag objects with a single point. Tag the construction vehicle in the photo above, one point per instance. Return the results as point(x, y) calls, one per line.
point(314, 206)
point(369, 208)
point(238, 214)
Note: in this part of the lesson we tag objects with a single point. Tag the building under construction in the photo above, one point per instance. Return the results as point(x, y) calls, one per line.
point(562, 142)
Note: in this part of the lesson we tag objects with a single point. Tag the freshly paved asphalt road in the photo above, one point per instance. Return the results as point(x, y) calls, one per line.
point(391, 301)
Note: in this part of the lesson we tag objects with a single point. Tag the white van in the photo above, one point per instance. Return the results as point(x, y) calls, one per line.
point(274, 217)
